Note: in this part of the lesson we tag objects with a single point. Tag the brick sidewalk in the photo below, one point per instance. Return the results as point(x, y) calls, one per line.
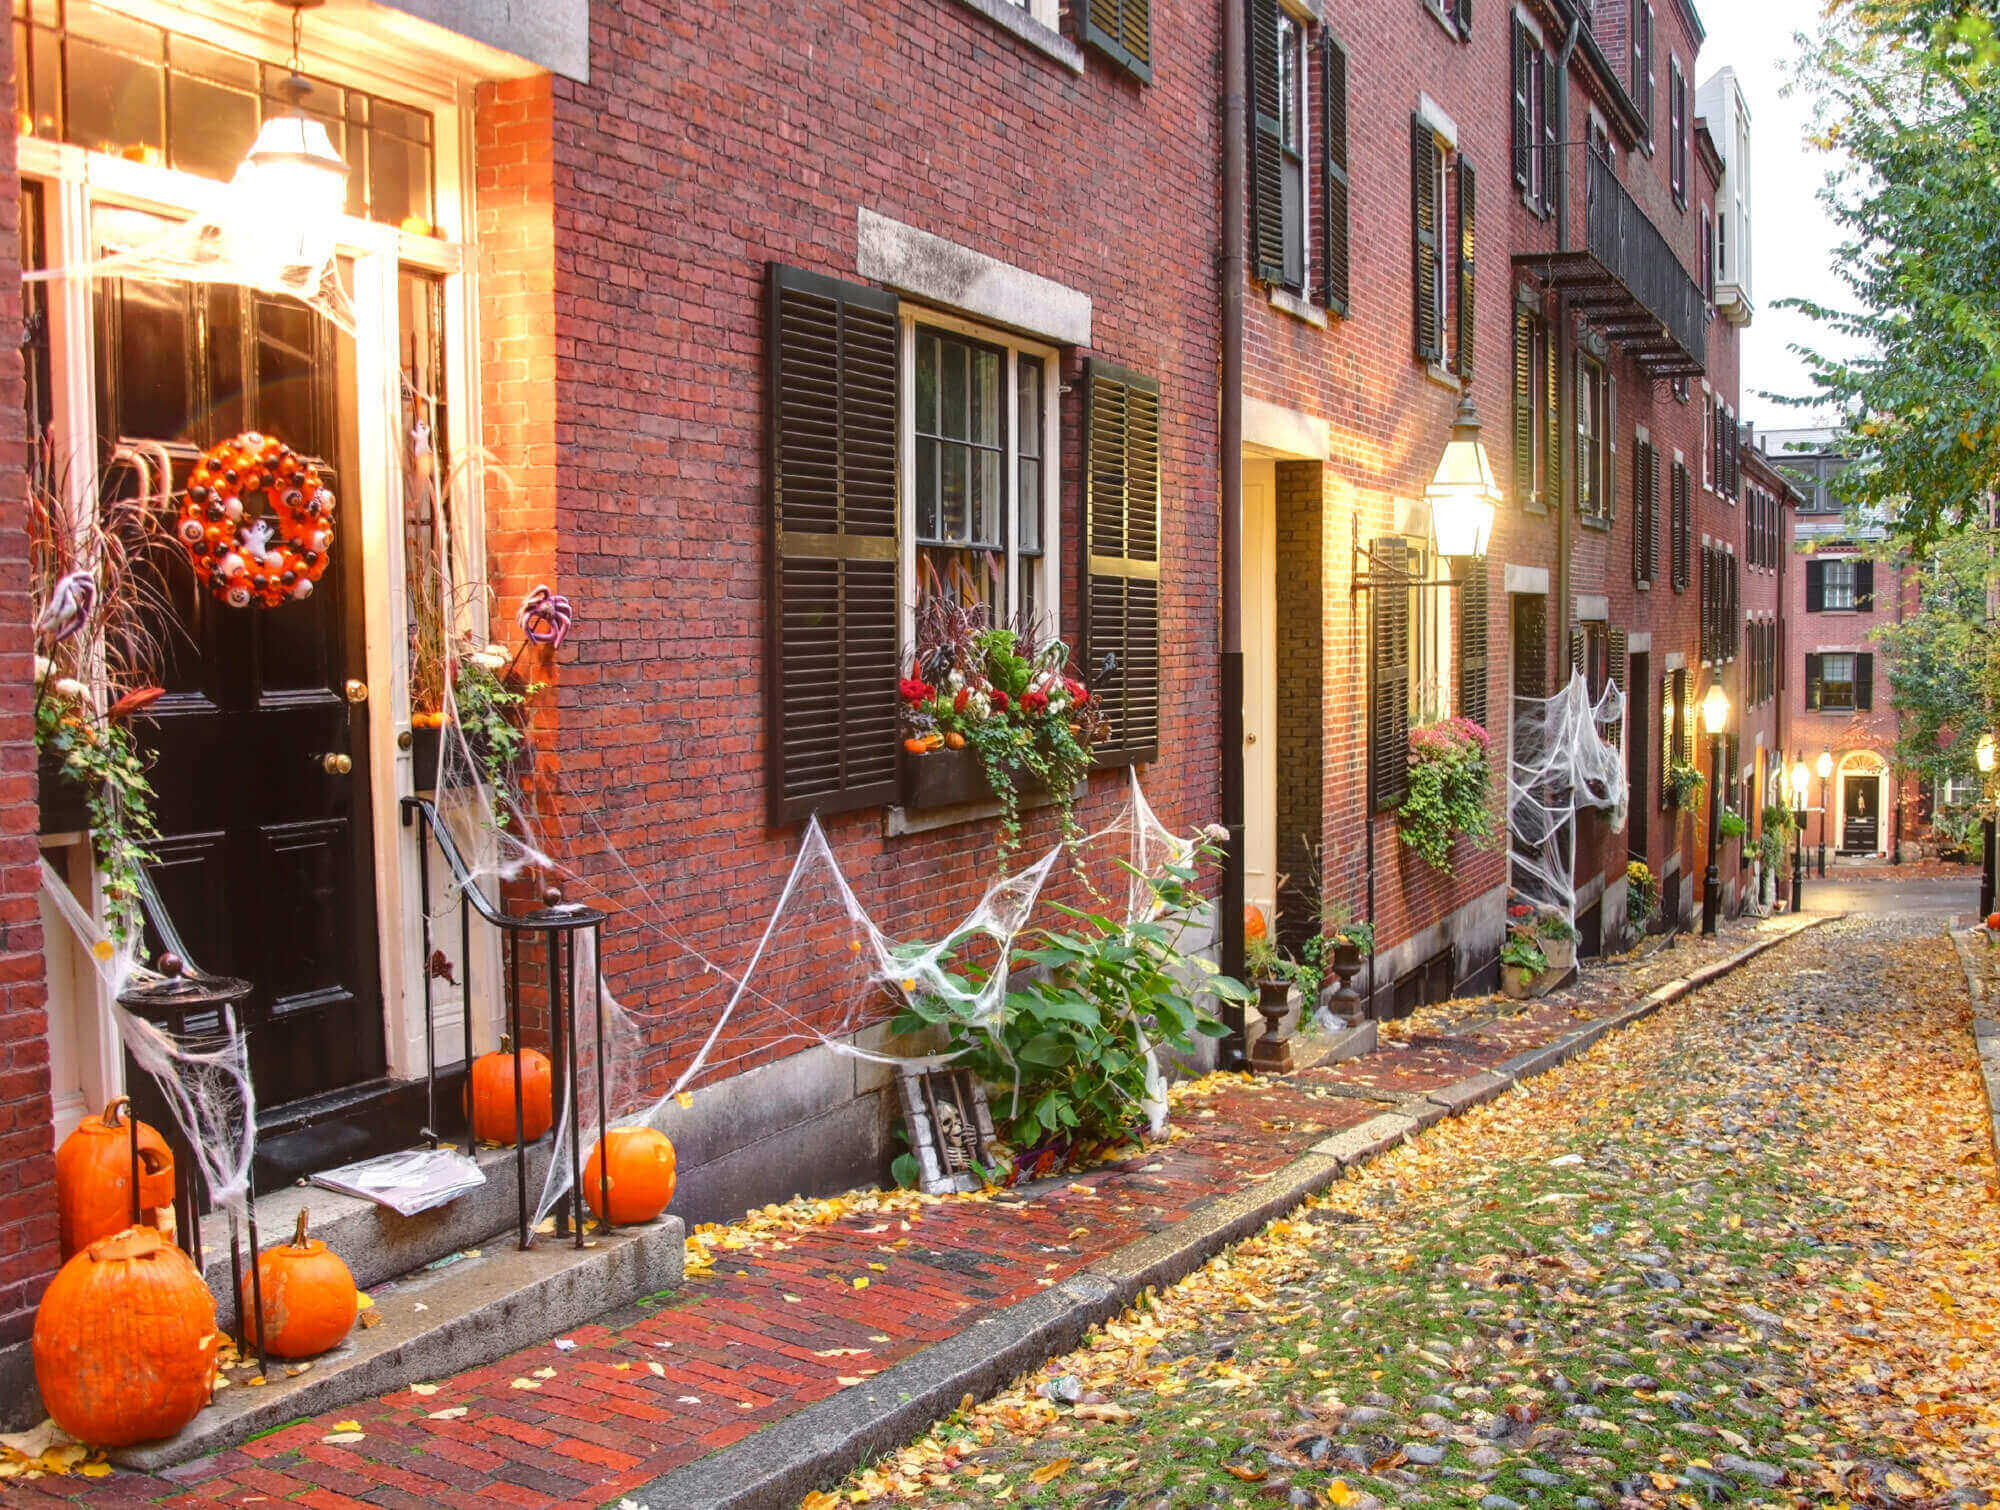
point(767, 1333)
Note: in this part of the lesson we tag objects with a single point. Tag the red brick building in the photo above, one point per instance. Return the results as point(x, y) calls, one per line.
point(740, 333)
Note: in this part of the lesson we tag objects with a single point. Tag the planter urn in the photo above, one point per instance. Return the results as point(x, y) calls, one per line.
point(1272, 1052)
point(1347, 1001)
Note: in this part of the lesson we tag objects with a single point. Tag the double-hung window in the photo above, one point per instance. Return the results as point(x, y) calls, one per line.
point(1292, 144)
point(1837, 585)
point(1534, 119)
point(981, 472)
point(1593, 438)
point(1836, 683)
point(1430, 619)
point(1677, 125)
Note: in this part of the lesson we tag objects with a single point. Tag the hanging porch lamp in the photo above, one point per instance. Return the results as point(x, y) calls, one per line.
point(292, 181)
point(1462, 493)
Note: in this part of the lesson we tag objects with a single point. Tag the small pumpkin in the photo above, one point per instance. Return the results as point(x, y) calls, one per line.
point(125, 1341)
point(642, 1174)
point(954, 740)
point(490, 1095)
point(1993, 921)
point(310, 1300)
point(94, 1178)
point(1254, 926)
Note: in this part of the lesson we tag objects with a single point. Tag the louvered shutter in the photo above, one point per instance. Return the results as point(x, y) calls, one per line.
point(1653, 513)
point(1524, 128)
point(1524, 406)
point(1815, 587)
point(1864, 682)
point(1473, 629)
point(1424, 199)
point(1670, 731)
point(1735, 605)
point(1389, 674)
point(1813, 679)
point(1462, 13)
point(1553, 493)
point(1642, 515)
point(1864, 586)
point(1551, 162)
point(833, 406)
point(1680, 543)
point(1531, 645)
point(1684, 714)
point(1267, 145)
point(1577, 650)
point(1707, 607)
point(1610, 442)
point(1121, 542)
point(1467, 198)
point(1122, 30)
point(1334, 265)
point(1618, 669)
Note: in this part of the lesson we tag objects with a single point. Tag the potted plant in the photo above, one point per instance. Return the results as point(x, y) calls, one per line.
point(1272, 975)
point(1683, 785)
point(1642, 896)
point(1557, 937)
point(1450, 793)
point(1522, 964)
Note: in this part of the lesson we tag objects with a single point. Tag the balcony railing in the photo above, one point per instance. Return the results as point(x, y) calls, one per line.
point(1624, 278)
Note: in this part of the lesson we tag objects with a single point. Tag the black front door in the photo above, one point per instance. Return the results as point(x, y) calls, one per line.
point(1639, 755)
point(260, 757)
point(1859, 817)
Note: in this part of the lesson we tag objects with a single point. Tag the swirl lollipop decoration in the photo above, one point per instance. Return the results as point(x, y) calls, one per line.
point(71, 603)
point(545, 616)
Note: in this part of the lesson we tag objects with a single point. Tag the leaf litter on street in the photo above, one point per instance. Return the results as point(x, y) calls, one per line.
point(1743, 1252)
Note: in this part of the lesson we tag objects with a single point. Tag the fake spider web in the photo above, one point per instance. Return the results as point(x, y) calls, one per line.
point(1562, 763)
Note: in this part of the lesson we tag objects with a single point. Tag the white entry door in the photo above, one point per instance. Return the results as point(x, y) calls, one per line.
point(1260, 686)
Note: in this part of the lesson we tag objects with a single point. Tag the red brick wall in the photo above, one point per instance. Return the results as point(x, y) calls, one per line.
point(695, 155)
point(27, 1159)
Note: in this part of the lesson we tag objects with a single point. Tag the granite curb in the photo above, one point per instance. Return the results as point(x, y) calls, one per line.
point(776, 1467)
point(1985, 1028)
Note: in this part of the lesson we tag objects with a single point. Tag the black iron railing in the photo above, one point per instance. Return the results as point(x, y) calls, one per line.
point(1624, 240)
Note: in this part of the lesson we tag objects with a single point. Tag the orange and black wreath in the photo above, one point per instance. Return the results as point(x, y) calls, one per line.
point(257, 521)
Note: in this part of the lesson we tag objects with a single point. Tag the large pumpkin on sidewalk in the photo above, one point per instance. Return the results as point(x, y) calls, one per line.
point(94, 1178)
point(642, 1167)
point(310, 1300)
point(125, 1341)
point(490, 1092)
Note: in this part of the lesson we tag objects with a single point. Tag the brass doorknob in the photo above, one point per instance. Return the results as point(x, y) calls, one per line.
point(336, 765)
point(357, 691)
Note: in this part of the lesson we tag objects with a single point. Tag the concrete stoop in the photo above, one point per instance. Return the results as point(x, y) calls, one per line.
point(439, 1321)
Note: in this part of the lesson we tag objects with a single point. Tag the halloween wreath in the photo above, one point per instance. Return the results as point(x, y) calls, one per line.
point(248, 557)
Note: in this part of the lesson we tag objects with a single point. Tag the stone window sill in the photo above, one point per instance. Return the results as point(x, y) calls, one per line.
point(1015, 19)
point(1297, 308)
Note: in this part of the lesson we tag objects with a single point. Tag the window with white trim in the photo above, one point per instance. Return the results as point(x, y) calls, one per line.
point(981, 470)
point(1838, 575)
point(1836, 683)
point(1044, 11)
point(1431, 639)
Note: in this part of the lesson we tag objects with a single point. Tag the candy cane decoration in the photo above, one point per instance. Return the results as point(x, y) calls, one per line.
point(545, 616)
point(71, 603)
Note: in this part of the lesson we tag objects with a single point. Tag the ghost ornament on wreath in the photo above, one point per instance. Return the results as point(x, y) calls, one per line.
point(245, 556)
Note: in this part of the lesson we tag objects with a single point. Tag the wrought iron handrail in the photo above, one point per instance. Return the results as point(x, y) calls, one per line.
point(1623, 238)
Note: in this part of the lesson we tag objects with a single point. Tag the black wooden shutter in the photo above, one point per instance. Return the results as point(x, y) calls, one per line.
point(1389, 674)
point(1334, 291)
point(1670, 731)
point(1524, 405)
point(1815, 587)
point(1813, 679)
point(1473, 621)
point(1121, 544)
point(1467, 197)
point(833, 369)
point(1707, 606)
point(1531, 645)
point(1864, 682)
point(1619, 672)
point(1681, 543)
point(1577, 648)
point(1462, 13)
point(1609, 440)
point(1553, 493)
point(1864, 586)
point(1642, 514)
point(1524, 128)
point(1267, 145)
point(1653, 509)
point(1735, 605)
point(1684, 718)
point(1551, 161)
point(1122, 30)
point(1424, 199)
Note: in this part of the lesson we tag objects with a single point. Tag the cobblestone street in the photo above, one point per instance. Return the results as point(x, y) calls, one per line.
point(1743, 1252)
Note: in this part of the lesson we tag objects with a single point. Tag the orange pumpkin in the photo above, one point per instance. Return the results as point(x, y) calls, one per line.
point(94, 1179)
point(1993, 921)
point(1254, 926)
point(125, 1341)
point(642, 1174)
point(310, 1301)
point(490, 1092)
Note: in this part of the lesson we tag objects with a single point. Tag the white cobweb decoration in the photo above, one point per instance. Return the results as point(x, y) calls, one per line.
point(1562, 763)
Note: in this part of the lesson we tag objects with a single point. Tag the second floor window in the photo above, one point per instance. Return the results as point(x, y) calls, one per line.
point(1677, 126)
point(1841, 585)
point(1594, 422)
point(1534, 121)
point(1642, 61)
point(1835, 684)
point(1292, 143)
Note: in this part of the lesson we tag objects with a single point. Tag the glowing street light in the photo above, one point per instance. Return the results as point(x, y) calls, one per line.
point(1462, 493)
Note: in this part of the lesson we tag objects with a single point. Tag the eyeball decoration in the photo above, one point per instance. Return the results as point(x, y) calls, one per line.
point(545, 616)
point(247, 557)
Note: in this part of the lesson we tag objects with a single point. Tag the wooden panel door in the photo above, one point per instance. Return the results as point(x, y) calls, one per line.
point(265, 861)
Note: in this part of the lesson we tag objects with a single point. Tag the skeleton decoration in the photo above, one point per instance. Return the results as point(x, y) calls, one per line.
point(949, 1127)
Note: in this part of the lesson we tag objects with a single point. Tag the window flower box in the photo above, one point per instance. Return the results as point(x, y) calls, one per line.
point(944, 778)
point(62, 800)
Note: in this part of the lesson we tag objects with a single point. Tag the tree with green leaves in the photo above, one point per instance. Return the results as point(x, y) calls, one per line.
point(1941, 660)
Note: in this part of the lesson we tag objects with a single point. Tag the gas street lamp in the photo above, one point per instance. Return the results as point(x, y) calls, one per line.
point(1800, 776)
point(1986, 757)
point(1714, 718)
point(1825, 765)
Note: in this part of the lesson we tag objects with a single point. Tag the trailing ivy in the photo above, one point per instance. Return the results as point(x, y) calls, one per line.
point(100, 757)
point(1451, 791)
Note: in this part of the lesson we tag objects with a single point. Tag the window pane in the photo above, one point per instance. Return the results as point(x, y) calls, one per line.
point(115, 103)
point(952, 390)
point(927, 489)
point(986, 411)
point(956, 513)
point(213, 126)
point(1030, 503)
point(399, 188)
point(927, 383)
point(1028, 405)
point(988, 502)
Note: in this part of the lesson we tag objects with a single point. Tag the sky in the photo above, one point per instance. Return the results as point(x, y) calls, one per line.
point(1792, 240)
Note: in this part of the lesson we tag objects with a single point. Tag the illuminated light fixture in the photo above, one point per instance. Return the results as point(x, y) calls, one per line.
point(1800, 776)
point(1985, 755)
point(1715, 710)
point(1463, 494)
point(1825, 764)
point(293, 182)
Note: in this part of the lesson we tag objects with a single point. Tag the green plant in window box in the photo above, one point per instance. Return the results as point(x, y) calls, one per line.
point(1733, 826)
point(1684, 784)
point(1450, 791)
point(492, 715)
point(99, 756)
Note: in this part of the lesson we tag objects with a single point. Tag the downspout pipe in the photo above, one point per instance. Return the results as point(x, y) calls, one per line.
point(1230, 271)
point(1565, 391)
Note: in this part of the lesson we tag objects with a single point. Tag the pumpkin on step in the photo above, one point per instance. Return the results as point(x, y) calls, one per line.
point(1254, 926)
point(125, 1341)
point(310, 1301)
point(490, 1094)
point(94, 1178)
point(642, 1175)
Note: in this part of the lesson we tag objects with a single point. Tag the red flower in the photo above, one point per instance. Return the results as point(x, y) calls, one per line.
point(1034, 702)
point(1078, 693)
point(999, 701)
point(964, 696)
point(915, 689)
